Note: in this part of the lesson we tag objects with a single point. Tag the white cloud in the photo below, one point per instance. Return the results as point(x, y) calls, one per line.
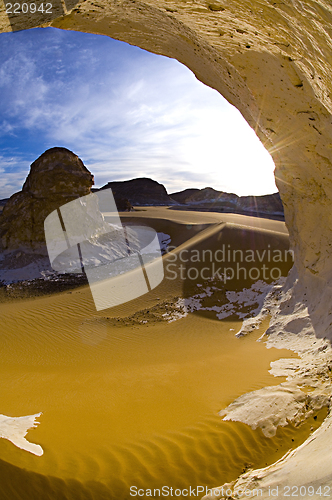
point(13, 172)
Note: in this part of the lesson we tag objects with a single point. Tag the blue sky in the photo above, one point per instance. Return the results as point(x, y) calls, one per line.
point(124, 111)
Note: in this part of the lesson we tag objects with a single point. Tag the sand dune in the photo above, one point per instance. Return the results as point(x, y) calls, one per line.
point(128, 396)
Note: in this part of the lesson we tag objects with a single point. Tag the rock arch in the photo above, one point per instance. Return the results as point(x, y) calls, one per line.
point(270, 59)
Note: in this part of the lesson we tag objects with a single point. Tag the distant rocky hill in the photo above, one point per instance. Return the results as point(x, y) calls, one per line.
point(141, 191)
point(206, 195)
point(184, 196)
point(55, 178)
point(145, 191)
point(211, 199)
point(266, 203)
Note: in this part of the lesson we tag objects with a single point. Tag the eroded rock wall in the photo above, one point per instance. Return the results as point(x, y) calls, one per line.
point(272, 60)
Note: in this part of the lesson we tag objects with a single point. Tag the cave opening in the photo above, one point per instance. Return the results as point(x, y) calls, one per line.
point(133, 114)
point(276, 73)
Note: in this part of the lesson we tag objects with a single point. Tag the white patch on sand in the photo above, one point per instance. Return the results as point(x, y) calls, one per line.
point(15, 429)
point(307, 389)
point(277, 405)
point(252, 299)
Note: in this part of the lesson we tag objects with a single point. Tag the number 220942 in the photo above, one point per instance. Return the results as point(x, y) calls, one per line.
point(28, 8)
point(306, 491)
